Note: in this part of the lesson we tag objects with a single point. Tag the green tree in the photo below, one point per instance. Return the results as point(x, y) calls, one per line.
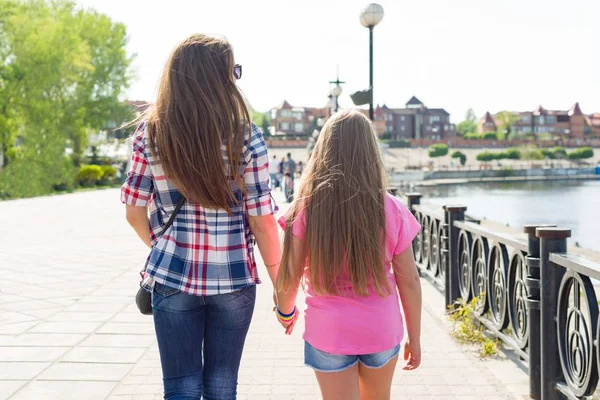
point(461, 156)
point(469, 125)
point(506, 121)
point(64, 70)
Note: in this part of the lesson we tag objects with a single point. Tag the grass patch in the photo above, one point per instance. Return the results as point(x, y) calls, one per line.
point(468, 330)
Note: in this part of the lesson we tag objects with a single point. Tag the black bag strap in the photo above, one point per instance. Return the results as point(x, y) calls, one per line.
point(172, 219)
point(167, 226)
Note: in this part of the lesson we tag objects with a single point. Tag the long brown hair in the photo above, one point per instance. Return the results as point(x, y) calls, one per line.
point(198, 110)
point(342, 193)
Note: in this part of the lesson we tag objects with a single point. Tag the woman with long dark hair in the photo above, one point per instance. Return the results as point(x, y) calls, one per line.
point(198, 149)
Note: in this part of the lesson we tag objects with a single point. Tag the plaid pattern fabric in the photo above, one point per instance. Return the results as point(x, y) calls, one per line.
point(206, 251)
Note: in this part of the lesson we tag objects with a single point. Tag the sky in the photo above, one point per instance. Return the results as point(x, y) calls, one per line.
point(489, 55)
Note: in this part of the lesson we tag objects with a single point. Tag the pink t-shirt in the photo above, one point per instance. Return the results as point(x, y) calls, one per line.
point(355, 325)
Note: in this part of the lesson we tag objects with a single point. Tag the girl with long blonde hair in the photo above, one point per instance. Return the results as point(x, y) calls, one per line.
point(349, 243)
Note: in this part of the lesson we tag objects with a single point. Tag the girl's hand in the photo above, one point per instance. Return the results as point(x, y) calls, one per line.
point(289, 325)
point(412, 354)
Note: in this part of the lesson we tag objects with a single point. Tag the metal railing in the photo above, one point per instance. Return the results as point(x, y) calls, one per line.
point(526, 290)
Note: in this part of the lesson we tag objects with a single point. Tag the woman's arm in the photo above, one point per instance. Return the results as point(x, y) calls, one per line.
point(265, 231)
point(138, 219)
point(409, 287)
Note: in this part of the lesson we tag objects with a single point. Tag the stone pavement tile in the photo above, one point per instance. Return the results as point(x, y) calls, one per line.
point(17, 329)
point(7, 297)
point(137, 318)
point(66, 327)
point(104, 355)
point(7, 388)
point(115, 340)
point(80, 317)
point(125, 328)
point(36, 354)
point(66, 390)
point(93, 307)
point(29, 305)
point(42, 339)
point(21, 370)
point(66, 371)
point(13, 317)
point(123, 299)
point(44, 313)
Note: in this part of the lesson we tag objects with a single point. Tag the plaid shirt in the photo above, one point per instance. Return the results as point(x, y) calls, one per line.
point(206, 251)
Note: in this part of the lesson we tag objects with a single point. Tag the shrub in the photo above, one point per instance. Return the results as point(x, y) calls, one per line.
point(89, 175)
point(548, 153)
point(473, 136)
point(581, 153)
point(109, 173)
point(490, 136)
point(513, 154)
point(532, 153)
point(460, 155)
point(559, 153)
point(485, 156)
point(438, 150)
point(397, 144)
point(31, 178)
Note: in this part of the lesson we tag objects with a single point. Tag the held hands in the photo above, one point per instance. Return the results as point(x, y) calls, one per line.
point(287, 321)
point(412, 354)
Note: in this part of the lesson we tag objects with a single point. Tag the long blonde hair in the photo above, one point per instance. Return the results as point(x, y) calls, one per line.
point(342, 195)
point(199, 109)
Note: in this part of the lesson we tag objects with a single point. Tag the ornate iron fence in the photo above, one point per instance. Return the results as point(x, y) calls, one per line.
point(526, 290)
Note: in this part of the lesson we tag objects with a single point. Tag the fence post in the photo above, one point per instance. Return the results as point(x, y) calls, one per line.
point(453, 214)
point(552, 240)
point(533, 310)
point(413, 199)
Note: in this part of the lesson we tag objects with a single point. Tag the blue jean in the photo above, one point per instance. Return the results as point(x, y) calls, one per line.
point(200, 339)
point(327, 362)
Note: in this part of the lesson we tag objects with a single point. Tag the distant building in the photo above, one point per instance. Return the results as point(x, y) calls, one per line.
point(288, 120)
point(416, 121)
point(569, 123)
point(487, 124)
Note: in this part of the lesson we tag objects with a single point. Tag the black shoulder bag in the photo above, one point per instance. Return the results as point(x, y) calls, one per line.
point(143, 298)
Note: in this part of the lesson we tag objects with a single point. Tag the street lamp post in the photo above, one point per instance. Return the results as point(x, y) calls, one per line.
point(369, 18)
point(337, 90)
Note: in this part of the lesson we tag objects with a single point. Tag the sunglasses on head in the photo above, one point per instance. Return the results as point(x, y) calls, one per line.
point(237, 71)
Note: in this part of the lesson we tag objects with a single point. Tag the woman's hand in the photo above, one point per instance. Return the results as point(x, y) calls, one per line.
point(412, 354)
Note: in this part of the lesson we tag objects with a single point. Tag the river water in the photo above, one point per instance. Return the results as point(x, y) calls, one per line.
point(571, 204)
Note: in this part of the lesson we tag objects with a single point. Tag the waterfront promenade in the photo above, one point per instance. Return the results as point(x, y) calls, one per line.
point(69, 328)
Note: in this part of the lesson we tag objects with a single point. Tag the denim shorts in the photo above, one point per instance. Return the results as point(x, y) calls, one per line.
point(326, 362)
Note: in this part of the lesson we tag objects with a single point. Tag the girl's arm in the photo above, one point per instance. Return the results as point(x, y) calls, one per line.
point(286, 297)
point(409, 287)
point(137, 216)
point(265, 231)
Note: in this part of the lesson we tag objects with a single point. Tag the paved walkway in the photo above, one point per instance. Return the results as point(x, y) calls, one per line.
point(69, 328)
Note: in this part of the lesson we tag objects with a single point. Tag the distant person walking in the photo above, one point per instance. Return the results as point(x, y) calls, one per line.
point(274, 172)
point(289, 166)
point(197, 158)
point(350, 243)
point(300, 168)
